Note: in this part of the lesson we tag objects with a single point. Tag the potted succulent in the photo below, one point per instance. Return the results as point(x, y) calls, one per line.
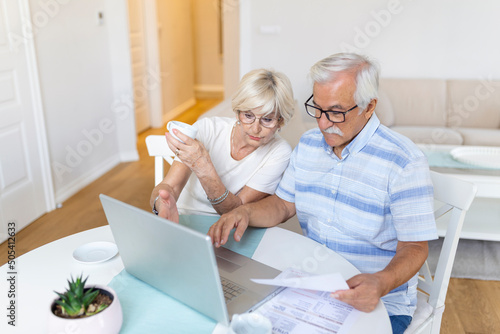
point(86, 309)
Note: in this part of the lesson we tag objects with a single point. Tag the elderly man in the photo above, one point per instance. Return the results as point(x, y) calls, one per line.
point(356, 186)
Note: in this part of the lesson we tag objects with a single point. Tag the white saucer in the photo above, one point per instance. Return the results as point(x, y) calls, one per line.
point(482, 156)
point(95, 252)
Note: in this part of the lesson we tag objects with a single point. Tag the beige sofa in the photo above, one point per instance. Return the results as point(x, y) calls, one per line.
point(438, 111)
point(428, 111)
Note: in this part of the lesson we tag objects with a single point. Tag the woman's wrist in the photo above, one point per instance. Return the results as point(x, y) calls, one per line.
point(219, 199)
point(204, 169)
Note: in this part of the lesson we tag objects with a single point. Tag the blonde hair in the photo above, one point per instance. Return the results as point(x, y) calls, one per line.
point(267, 89)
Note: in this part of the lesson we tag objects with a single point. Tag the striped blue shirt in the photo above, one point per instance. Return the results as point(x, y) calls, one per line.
point(361, 205)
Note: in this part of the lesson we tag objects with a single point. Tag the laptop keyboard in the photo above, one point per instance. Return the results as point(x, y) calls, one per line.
point(231, 289)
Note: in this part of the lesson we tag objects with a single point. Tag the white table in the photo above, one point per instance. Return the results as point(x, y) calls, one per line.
point(482, 221)
point(46, 269)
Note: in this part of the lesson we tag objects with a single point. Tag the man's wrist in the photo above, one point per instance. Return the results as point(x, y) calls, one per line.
point(386, 282)
point(248, 211)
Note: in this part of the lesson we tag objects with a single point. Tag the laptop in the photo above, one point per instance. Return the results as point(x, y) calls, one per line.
point(182, 263)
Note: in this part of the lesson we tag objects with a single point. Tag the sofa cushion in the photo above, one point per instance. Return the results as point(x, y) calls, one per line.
point(480, 137)
point(473, 104)
point(417, 102)
point(384, 110)
point(430, 135)
point(299, 124)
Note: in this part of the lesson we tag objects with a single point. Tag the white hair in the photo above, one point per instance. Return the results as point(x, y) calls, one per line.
point(367, 74)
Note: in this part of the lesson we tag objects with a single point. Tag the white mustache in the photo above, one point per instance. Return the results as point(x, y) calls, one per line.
point(333, 130)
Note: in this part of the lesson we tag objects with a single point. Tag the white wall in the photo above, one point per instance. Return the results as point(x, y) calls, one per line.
point(121, 78)
point(86, 88)
point(413, 39)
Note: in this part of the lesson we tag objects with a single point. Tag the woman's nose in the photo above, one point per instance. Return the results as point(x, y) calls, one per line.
point(256, 126)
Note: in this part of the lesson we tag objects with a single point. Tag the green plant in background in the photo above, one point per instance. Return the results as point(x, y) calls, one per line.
point(76, 300)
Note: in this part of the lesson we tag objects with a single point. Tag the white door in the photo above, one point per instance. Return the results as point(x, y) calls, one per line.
point(23, 190)
point(139, 65)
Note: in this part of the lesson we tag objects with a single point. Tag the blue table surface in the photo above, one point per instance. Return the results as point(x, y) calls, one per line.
point(445, 159)
point(148, 310)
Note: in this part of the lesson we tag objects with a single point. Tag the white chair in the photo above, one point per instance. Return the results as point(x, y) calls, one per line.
point(456, 196)
point(158, 148)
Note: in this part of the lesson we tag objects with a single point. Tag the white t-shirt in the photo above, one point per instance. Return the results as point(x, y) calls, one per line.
point(261, 170)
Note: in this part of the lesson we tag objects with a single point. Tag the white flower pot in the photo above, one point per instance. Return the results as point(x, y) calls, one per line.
point(108, 321)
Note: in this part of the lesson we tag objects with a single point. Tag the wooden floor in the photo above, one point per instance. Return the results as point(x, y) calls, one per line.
point(472, 306)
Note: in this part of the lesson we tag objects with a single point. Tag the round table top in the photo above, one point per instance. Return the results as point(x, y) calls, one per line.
point(44, 270)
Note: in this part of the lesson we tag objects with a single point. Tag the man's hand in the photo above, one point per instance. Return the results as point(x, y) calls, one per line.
point(219, 232)
point(366, 289)
point(364, 293)
point(166, 206)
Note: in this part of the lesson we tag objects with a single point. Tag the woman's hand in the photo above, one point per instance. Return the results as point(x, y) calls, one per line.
point(167, 206)
point(192, 153)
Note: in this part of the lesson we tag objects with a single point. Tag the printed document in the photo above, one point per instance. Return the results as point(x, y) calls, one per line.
point(311, 311)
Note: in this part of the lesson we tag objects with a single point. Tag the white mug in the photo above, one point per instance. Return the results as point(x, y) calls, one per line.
point(185, 128)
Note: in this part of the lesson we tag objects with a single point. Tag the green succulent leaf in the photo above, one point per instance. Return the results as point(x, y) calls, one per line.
point(71, 310)
point(89, 297)
point(61, 295)
point(99, 309)
point(76, 300)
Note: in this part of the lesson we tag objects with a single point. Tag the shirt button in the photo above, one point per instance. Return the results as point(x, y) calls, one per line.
point(333, 191)
point(338, 163)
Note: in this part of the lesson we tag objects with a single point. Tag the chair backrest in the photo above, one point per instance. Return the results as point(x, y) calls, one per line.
point(456, 196)
point(158, 148)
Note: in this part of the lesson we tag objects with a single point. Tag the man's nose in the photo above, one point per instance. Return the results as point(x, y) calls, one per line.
point(324, 122)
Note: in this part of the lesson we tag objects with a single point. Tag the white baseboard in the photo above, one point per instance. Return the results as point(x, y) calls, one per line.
point(209, 91)
point(78, 184)
point(129, 156)
point(178, 110)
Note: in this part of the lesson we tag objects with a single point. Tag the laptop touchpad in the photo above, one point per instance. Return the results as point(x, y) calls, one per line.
point(226, 265)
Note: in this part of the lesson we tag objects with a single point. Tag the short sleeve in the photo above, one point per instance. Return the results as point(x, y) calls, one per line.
point(412, 203)
point(268, 176)
point(286, 187)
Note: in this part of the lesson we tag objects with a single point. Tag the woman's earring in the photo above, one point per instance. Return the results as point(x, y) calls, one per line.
point(238, 122)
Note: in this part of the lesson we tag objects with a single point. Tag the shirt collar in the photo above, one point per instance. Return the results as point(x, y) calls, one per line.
point(360, 141)
point(364, 136)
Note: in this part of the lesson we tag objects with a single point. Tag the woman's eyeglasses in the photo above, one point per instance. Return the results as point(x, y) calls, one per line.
point(248, 117)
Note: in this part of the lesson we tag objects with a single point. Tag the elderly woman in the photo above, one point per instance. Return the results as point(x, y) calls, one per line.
point(232, 161)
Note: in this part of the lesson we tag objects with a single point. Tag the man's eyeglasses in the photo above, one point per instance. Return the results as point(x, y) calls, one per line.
point(248, 117)
point(334, 116)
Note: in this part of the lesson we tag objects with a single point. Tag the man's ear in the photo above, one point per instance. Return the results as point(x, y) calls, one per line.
point(370, 109)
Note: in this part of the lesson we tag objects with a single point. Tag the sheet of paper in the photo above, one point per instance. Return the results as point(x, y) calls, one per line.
point(297, 311)
point(307, 311)
point(295, 279)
